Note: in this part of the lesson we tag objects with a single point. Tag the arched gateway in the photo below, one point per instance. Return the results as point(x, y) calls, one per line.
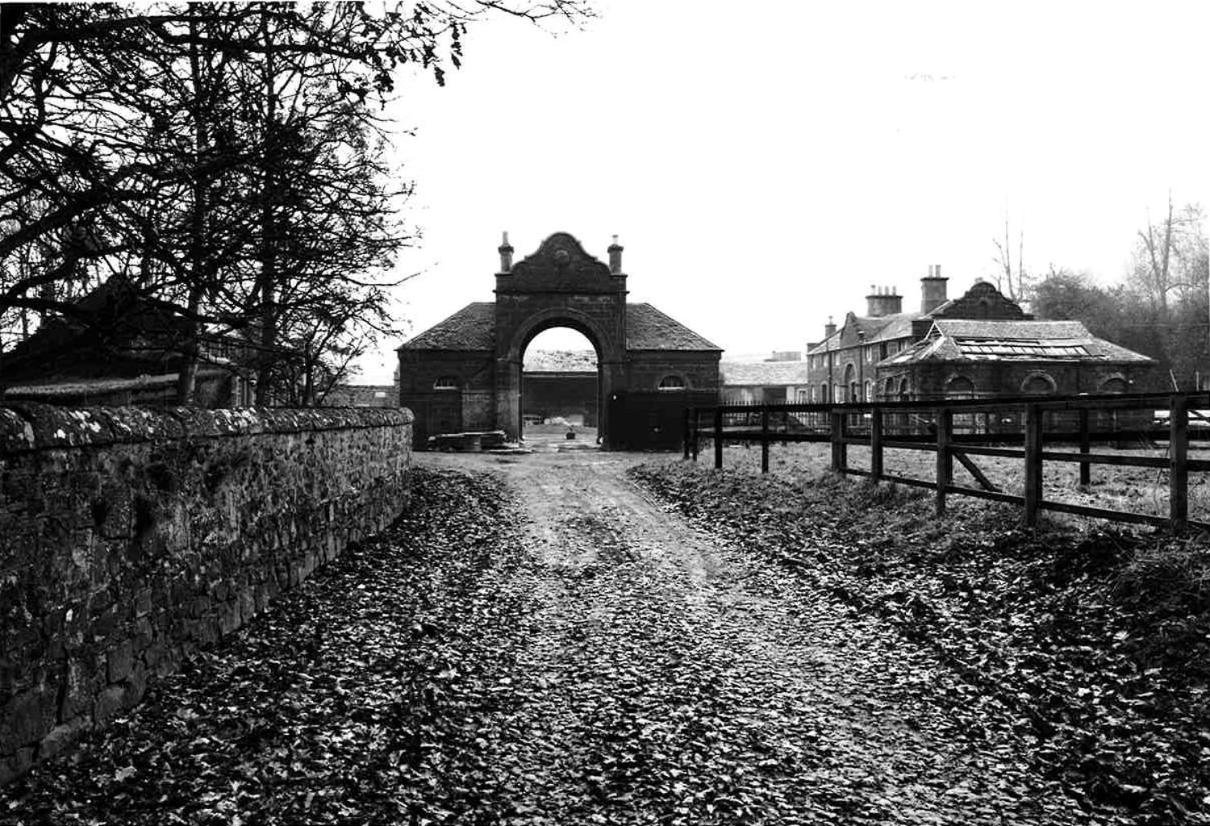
point(465, 373)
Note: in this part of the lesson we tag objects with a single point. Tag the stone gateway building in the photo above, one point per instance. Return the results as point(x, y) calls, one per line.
point(465, 373)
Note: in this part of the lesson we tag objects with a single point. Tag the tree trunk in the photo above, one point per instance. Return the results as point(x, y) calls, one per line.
point(268, 230)
point(186, 391)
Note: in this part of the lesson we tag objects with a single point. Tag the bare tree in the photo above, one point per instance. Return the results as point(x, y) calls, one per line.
point(1015, 285)
point(223, 158)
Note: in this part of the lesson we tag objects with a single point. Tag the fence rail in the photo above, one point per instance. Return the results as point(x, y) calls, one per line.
point(956, 430)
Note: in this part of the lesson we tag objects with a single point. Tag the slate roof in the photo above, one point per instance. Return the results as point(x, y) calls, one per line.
point(875, 328)
point(763, 373)
point(560, 361)
point(1033, 341)
point(473, 328)
point(649, 329)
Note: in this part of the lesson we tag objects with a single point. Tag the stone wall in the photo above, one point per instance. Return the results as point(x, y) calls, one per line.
point(130, 538)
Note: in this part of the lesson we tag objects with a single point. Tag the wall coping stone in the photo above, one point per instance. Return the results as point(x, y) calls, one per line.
point(29, 426)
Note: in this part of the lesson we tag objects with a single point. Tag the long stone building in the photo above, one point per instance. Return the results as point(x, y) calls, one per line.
point(465, 373)
point(978, 345)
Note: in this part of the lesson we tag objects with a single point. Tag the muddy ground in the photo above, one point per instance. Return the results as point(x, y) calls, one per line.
point(540, 642)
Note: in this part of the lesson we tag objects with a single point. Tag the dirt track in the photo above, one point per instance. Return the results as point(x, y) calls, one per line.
point(538, 643)
point(728, 679)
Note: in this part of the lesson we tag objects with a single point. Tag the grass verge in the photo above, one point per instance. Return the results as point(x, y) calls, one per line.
point(1090, 649)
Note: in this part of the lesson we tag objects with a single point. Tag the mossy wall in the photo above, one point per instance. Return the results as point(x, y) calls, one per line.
point(131, 538)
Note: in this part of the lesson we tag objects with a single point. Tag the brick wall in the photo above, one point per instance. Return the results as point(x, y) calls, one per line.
point(130, 538)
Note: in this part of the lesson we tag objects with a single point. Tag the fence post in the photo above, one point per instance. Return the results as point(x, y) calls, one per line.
point(697, 430)
point(764, 440)
point(1033, 463)
point(876, 444)
point(685, 432)
point(1085, 447)
point(718, 438)
point(1178, 449)
point(945, 459)
point(838, 445)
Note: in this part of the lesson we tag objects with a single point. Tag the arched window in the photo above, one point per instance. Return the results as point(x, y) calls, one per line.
point(1114, 384)
point(959, 387)
point(888, 389)
point(850, 380)
point(823, 392)
point(868, 391)
point(446, 383)
point(1038, 384)
point(672, 383)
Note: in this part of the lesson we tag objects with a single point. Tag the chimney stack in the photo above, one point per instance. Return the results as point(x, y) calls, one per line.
point(829, 329)
point(506, 255)
point(883, 301)
point(615, 257)
point(932, 289)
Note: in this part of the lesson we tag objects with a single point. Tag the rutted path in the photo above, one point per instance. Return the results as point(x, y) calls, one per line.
point(673, 681)
point(604, 662)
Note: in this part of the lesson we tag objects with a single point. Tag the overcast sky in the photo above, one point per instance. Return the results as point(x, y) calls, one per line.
point(764, 163)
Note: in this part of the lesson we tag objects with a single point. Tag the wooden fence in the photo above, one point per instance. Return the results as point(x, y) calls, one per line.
point(1033, 429)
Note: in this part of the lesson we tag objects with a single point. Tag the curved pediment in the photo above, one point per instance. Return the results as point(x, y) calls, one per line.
point(561, 263)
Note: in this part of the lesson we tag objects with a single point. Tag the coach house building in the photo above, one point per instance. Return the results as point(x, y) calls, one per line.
point(465, 373)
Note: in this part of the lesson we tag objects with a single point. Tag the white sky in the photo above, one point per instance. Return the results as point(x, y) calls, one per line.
point(765, 163)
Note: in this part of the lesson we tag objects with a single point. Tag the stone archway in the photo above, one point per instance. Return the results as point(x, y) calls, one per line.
point(466, 373)
point(560, 285)
point(611, 364)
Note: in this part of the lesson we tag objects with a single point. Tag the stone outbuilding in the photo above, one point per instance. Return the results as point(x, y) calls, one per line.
point(978, 345)
point(465, 373)
point(966, 359)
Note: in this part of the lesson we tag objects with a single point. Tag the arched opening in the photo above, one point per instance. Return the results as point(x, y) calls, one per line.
point(850, 380)
point(560, 387)
point(959, 387)
point(1038, 384)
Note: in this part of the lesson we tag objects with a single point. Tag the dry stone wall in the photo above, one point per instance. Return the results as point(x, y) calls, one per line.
point(131, 538)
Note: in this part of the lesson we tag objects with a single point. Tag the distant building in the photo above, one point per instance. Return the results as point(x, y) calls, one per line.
point(362, 395)
point(117, 348)
point(780, 380)
point(961, 358)
point(979, 345)
point(561, 384)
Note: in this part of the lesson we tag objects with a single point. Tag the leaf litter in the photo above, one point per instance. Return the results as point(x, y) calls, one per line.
point(648, 672)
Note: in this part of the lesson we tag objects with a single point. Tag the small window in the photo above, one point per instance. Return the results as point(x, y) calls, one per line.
point(1038, 384)
point(672, 383)
point(1114, 384)
point(446, 383)
point(380, 394)
point(959, 387)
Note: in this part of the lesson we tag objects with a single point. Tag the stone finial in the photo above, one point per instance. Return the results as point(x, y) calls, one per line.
point(506, 255)
point(615, 257)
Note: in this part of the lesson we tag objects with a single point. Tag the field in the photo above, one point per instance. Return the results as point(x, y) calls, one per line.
point(1131, 489)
